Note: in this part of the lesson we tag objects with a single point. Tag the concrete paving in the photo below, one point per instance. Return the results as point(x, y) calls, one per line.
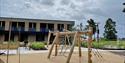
point(23, 50)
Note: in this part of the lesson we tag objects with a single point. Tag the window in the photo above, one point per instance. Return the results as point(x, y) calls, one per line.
point(2, 23)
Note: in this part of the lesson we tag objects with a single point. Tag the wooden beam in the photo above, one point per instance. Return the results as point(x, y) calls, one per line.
point(65, 33)
point(72, 48)
point(50, 51)
point(71, 33)
point(49, 35)
point(79, 45)
point(90, 45)
point(8, 42)
point(56, 44)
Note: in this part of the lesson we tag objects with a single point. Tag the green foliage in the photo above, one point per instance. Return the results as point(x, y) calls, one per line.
point(84, 44)
point(110, 31)
point(70, 27)
point(106, 44)
point(92, 24)
point(37, 45)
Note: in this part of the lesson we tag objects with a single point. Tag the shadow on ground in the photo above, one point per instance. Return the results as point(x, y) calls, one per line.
point(1, 61)
point(121, 53)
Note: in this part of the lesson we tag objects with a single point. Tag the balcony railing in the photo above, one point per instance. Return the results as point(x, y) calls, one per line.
point(44, 30)
point(14, 29)
point(32, 29)
point(17, 28)
point(21, 29)
point(60, 30)
point(2, 28)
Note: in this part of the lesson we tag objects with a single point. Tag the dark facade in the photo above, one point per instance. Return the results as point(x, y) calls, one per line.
point(30, 29)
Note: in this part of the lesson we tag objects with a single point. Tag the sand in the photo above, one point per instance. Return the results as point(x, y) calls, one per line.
point(107, 57)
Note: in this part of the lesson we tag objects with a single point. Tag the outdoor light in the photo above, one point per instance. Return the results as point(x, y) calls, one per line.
point(124, 8)
point(78, 28)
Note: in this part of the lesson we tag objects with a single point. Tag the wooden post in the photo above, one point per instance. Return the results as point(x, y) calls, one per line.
point(56, 46)
point(79, 45)
point(55, 40)
point(19, 42)
point(90, 45)
point(49, 35)
point(9, 41)
point(72, 48)
point(65, 40)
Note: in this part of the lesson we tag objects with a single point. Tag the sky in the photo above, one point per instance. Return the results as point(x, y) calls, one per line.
point(75, 10)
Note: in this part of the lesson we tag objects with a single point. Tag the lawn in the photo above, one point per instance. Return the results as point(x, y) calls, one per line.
point(103, 44)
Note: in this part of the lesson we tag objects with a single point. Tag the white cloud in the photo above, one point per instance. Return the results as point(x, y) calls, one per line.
point(78, 10)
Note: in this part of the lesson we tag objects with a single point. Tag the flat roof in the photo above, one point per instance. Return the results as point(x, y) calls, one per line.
point(35, 20)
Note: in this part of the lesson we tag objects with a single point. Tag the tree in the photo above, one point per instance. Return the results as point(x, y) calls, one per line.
point(110, 31)
point(93, 25)
point(81, 26)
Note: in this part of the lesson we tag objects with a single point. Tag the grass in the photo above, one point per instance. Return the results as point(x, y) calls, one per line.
point(107, 44)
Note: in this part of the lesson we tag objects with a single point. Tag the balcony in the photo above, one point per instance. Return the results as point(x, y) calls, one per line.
point(14, 29)
point(61, 30)
point(17, 28)
point(21, 29)
point(2, 28)
point(32, 29)
point(44, 30)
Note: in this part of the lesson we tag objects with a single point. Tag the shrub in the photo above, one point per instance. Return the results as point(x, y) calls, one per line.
point(84, 44)
point(38, 46)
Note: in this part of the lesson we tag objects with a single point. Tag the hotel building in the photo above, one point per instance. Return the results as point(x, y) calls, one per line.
point(30, 29)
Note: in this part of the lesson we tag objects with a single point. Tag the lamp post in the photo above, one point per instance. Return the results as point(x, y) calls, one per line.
point(19, 42)
point(124, 8)
point(97, 31)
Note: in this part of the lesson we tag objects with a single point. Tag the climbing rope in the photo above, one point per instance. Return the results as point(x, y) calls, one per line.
point(64, 45)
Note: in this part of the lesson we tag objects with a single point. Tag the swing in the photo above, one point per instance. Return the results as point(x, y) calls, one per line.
point(65, 43)
point(76, 39)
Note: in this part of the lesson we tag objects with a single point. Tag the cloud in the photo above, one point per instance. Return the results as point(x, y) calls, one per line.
point(77, 10)
point(48, 2)
point(65, 2)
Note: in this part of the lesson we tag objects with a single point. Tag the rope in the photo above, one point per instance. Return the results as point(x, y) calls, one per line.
point(98, 54)
point(64, 42)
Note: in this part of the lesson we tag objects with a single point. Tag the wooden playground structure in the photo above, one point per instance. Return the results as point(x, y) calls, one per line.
point(76, 40)
point(75, 36)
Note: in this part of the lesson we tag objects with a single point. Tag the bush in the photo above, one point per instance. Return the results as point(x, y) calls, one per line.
point(38, 46)
point(84, 44)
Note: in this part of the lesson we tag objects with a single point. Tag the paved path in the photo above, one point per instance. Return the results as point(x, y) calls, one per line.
point(24, 50)
point(28, 56)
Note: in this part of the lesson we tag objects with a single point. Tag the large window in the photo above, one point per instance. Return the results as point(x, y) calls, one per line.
point(60, 27)
point(51, 27)
point(2, 23)
point(14, 24)
point(42, 25)
point(32, 25)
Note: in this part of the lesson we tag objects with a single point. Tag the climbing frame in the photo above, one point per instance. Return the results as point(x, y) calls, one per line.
point(76, 40)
